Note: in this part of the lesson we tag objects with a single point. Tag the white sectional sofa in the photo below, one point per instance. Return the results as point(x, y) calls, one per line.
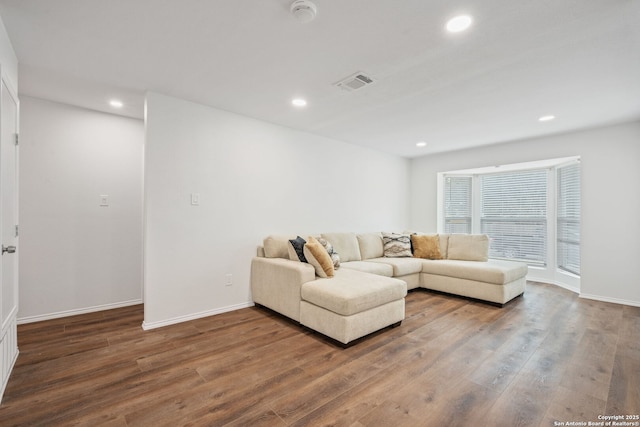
point(366, 292)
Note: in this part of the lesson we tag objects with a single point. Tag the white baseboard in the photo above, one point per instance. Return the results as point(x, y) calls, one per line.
point(59, 314)
point(554, 282)
point(613, 300)
point(585, 296)
point(159, 324)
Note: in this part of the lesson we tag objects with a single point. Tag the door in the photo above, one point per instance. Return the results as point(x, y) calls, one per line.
point(8, 232)
point(8, 202)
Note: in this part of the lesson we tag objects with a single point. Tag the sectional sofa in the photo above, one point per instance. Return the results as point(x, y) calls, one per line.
point(366, 292)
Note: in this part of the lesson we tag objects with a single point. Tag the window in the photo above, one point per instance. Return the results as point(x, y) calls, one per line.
point(568, 218)
point(530, 211)
point(457, 204)
point(513, 213)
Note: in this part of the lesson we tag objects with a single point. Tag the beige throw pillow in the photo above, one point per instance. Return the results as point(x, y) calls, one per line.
point(426, 246)
point(318, 256)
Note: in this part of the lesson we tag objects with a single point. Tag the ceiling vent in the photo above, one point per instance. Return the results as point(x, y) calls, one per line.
point(355, 82)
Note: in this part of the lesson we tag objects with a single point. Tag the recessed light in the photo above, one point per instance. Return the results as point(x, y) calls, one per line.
point(459, 23)
point(546, 118)
point(115, 103)
point(299, 102)
point(421, 144)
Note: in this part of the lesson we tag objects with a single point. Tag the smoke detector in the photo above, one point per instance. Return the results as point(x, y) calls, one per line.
point(355, 82)
point(304, 10)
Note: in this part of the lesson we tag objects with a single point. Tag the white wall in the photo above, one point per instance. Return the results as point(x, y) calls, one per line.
point(76, 256)
point(8, 58)
point(254, 179)
point(610, 203)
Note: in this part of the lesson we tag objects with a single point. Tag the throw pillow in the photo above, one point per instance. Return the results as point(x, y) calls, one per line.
point(317, 256)
point(297, 245)
point(396, 245)
point(335, 257)
point(426, 246)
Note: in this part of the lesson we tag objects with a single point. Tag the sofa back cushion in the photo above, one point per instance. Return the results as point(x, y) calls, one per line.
point(346, 244)
point(468, 247)
point(444, 245)
point(277, 246)
point(370, 245)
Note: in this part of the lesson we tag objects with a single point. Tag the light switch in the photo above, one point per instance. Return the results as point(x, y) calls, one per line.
point(195, 199)
point(104, 200)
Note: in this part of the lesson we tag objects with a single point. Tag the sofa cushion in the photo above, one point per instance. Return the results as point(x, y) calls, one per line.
point(444, 245)
point(426, 246)
point(401, 266)
point(468, 247)
point(276, 246)
point(346, 244)
point(370, 245)
point(350, 292)
point(378, 268)
point(318, 256)
point(493, 271)
point(396, 245)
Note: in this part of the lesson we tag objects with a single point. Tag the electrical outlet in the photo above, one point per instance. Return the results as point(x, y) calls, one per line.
point(229, 279)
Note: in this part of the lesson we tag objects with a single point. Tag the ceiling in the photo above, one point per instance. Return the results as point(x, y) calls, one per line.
point(576, 59)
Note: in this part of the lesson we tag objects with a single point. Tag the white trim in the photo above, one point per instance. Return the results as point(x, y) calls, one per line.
point(8, 352)
point(59, 314)
point(10, 318)
point(538, 164)
point(440, 202)
point(573, 289)
point(612, 300)
point(153, 325)
point(5, 381)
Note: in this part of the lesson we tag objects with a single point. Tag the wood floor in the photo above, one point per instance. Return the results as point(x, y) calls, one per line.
point(547, 357)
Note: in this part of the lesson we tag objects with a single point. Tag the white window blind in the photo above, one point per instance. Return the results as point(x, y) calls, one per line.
point(457, 204)
point(568, 218)
point(513, 213)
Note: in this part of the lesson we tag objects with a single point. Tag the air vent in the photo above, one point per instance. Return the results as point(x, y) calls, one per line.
point(355, 82)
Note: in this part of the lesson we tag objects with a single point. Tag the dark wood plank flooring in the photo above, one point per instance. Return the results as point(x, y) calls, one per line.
point(545, 358)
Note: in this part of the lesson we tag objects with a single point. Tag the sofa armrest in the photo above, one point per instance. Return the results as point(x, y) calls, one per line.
point(276, 284)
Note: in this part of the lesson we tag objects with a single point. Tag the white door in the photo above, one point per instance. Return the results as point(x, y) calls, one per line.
point(8, 202)
point(8, 235)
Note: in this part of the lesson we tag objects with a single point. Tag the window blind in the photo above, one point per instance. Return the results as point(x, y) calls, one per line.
point(457, 204)
point(568, 218)
point(513, 213)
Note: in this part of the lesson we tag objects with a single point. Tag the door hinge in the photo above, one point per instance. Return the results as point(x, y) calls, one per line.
point(17, 139)
point(17, 232)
